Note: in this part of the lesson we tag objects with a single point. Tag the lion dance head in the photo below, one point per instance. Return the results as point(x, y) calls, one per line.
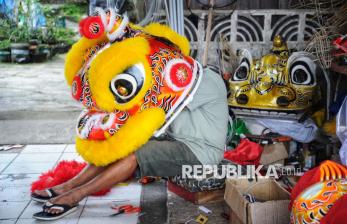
point(317, 193)
point(278, 84)
point(132, 81)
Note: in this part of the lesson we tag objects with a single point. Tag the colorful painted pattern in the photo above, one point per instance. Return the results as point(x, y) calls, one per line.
point(96, 125)
point(278, 81)
point(314, 203)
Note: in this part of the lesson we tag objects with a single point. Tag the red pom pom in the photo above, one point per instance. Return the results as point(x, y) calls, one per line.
point(92, 27)
point(76, 88)
point(181, 74)
point(63, 172)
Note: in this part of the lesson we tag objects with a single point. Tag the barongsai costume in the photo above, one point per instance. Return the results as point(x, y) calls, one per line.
point(279, 85)
point(320, 195)
point(133, 82)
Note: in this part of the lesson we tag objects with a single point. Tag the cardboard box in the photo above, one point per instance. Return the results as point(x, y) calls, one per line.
point(274, 153)
point(271, 206)
point(233, 218)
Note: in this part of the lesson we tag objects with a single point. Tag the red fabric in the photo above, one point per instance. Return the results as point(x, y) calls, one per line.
point(246, 153)
point(337, 213)
point(64, 171)
point(309, 178)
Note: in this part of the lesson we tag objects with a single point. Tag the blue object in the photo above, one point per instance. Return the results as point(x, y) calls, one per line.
point(37, 17)
point(7, 8)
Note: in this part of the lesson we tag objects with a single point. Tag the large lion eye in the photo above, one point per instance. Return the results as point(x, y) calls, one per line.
point(301, 75)
point(125, 86)
point(241, 72)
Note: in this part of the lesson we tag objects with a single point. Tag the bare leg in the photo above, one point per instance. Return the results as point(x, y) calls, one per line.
point(87, 174)
point(112, 175)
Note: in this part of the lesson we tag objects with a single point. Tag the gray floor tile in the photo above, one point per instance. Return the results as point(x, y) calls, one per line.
point(64, 220)
point(101, 210)
point(3, 166)
point(71, 156)
point(97, 208)
point(129, 192)
point(17, 180)
point(7, 157)
point(32, 208)
point(44, 148)
point(37, 158)
point(121, 219)
point(70, 148)
point(11, 210)
point(22, 168)
point(8, 221)
point(15, 193)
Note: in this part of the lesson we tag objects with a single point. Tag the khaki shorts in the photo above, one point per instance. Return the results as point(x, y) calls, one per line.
point(164, 158)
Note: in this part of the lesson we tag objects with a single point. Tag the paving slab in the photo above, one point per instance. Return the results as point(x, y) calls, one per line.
point(49, 148)
point(59, 221)
point(8, 221)
point(26, 168)
point(12, 210)
point(17, 180)
point(7, 157)
point(34, 158)
point(71, 156)
point(70, 148)
point(3, 167)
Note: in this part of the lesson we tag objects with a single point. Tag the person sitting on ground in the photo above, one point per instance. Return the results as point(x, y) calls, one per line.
point(195, 137)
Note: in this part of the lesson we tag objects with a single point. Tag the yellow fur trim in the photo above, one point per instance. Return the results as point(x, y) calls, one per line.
point(136, 27)
point(74, 58)
point(113, 61)
point(135, 133)
point(160, 30)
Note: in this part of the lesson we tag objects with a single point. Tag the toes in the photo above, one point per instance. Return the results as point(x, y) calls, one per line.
point(40, 192)
point(52, 211)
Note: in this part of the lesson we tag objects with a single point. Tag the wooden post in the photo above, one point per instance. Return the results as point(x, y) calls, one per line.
point(208, 33)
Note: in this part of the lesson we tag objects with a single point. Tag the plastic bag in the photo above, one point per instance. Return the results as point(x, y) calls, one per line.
point(341, 130)
point(341, 122)
point(343, 153)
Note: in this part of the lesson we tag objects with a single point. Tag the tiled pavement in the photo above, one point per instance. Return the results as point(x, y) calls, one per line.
point(18, 169)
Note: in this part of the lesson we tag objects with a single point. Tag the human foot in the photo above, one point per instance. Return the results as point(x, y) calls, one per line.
point(46, 194)
point(68, 199)
point(63, 211)
point(60, 206)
